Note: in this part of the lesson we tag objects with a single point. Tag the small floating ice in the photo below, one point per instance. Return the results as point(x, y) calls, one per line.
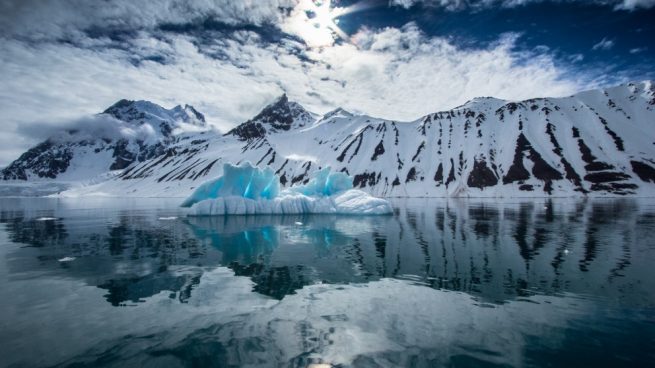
point(170, 218)
point(298, 223)
point(46, 219)
point(66, 259)
point(248, 190)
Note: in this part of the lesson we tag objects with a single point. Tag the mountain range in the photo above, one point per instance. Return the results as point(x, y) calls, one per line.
point(594, 143)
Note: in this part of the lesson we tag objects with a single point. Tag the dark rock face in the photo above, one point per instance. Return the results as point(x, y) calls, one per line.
point(481, 176)
point(600, 174)
point(278, 116)
point(541, 170)
point(438, 176)
point(123, 157)
point(644, 171)
point(117, 110)
point(592, 164)
point(379, 150)
point(411, 175)
point(361, 180)
point(359, 139)
point(46, 160)
point(304, 176)
point(418, 151)
point(569, 171)
point(605, 177)
point(451, 174)
point(518, 172)
point(248, 131)
point(618, 142)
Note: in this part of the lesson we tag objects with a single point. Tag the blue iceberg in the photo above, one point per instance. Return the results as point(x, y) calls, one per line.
point(245, 181)
point(246, 190)
point(325, 183)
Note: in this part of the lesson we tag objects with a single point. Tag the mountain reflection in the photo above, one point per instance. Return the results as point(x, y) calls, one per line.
point(496, 251)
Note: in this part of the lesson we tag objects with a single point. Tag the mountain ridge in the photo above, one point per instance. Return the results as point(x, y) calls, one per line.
point(597, 142)
point(125, 132)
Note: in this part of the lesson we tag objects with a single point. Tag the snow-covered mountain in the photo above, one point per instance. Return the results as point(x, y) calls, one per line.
point(599, 142)
point(125, 133)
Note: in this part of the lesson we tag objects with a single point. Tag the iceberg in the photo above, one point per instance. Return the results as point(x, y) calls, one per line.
point(325, 183)
point(249, 190)
point(245, 181)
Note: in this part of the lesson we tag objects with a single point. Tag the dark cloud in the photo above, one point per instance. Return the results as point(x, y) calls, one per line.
point(37, 19)
point(458, 5)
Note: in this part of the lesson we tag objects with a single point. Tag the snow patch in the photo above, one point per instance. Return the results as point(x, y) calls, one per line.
point(297, 157)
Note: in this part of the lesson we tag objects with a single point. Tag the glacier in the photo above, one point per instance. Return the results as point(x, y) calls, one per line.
point(248, 190)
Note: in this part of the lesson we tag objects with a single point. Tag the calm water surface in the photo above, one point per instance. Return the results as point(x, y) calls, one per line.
point(105, 282)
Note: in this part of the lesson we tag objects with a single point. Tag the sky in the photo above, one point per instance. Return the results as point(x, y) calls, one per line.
point(63, 60)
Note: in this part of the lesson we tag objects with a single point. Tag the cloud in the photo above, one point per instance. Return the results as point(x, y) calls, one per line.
point(37, 19)
point(604, 44)
point(403, 3)
point(230, 74)
point(635, 4)
point(446, 4)
point(456, 5)
point(402, 74)
point(86, 127)
point(576, 58)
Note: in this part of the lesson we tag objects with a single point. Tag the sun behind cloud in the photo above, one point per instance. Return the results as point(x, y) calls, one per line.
point(316, 22)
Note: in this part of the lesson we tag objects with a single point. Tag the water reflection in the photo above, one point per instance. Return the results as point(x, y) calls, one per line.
point(497, 251)
point(540, 283)
point(125, 253)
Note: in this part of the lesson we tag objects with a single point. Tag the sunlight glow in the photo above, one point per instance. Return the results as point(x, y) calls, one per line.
point(316, 22)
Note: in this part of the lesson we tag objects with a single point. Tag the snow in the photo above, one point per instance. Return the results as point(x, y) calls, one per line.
point(249, 190)
point(398, 159)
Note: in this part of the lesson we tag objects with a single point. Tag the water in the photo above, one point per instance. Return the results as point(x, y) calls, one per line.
point(107, 282)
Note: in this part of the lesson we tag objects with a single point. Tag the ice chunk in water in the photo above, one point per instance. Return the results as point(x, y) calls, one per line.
point(249, 190)
point(245, 181)
point(325, 183)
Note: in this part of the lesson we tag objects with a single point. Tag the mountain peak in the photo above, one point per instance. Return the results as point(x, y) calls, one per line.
point(338, 112)
point(122, 103)
point(283, 98)
point(481, 102)
point(280, 115)
point(188, 114)
point(142, 111)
